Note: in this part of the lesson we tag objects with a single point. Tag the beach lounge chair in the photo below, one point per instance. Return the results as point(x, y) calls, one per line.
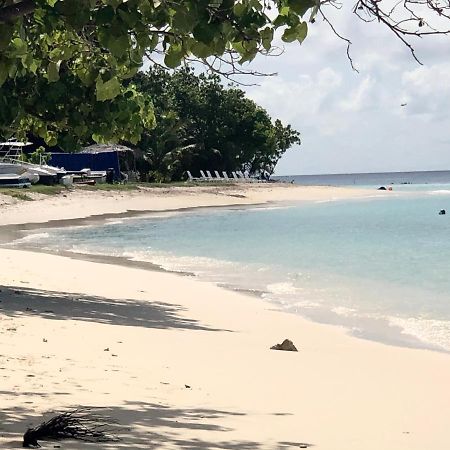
point(235, 177)
point(203, 176)
point(210, 177)
point(249, 178)
point(218, 177)
point(191, 178)
point(225, 176)
point(241, 176)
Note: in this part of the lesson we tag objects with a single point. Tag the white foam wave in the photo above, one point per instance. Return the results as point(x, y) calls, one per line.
point(273, 208)
point(440, 192)
point(344, 311)
point(432, 331)
point(282, 288)
point(196, 264)
point(32, 237)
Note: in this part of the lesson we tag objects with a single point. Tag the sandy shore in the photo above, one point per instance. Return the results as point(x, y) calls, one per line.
point(184, 364)
point(82, 203)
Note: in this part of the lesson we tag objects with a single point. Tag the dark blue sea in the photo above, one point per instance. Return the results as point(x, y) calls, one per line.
point(371, 179)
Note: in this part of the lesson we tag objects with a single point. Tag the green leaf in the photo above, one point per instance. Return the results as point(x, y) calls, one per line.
point(280, 21)
point(174, 56)
point(118, 45)
point(107, 90)
point(200, 50)
point(184, 20)
point(205, 32)
point(130, 73)
point(86, 75)
point(239, 47)
point(19, 47)
point(129, 17)
point(239, 9)
point(298, 32)
point(12, 68)
point(5, 35)
point(256, 4)
point(266, 38)
point(301, 6)
point(53, 72)
point(3, 72)
point(302, 31)
point(105, 15)
point(51, 139)
point(289, 35)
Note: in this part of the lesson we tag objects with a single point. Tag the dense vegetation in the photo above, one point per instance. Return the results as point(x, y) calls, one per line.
point(202, 125)
point(64, 63)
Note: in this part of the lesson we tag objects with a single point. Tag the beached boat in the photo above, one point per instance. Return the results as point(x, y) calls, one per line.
point(11, 162)
point(14, 181)
point(18, 169)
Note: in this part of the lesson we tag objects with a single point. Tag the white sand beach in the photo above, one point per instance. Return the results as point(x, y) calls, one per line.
point(185, 364)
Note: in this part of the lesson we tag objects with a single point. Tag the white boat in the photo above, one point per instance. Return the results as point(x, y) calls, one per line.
point(9, 180)
point(11, 161)
point(18, 169)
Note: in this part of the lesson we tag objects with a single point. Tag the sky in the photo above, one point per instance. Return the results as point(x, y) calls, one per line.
point(354, 122)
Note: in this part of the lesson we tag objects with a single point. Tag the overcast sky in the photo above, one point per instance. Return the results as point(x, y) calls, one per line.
point(353, 122)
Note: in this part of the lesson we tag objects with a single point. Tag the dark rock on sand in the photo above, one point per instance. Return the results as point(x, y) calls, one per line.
point(381, 188)
point(442, 212)
point(286, 345)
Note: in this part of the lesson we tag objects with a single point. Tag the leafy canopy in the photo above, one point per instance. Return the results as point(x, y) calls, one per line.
point(63, 63)
point(202, 125)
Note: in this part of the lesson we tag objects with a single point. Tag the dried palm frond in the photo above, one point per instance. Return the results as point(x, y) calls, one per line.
point(79, 424)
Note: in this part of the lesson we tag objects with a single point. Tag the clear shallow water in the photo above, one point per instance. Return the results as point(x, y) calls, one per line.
point(379, 266)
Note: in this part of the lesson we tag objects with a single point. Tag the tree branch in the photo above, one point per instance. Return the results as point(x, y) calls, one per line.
point(16, 10)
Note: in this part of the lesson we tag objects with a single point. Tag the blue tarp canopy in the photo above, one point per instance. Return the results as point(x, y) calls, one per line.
point(93, 161)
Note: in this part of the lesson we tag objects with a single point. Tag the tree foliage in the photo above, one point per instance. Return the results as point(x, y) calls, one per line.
point(62, 62)
point(203, 125)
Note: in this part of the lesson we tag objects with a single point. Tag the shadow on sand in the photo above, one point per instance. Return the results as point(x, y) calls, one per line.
point(150, 426)
point(60, 305)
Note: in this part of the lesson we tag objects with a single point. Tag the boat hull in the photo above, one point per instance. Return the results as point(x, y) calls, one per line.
point(14, 181)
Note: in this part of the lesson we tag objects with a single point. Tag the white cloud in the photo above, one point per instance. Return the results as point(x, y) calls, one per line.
point(362, 97)
point(355, 122)
point(426, 91)
point(291, 99)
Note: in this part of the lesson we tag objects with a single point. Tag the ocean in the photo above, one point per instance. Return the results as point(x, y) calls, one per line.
point(371, 179)
point(380, 267)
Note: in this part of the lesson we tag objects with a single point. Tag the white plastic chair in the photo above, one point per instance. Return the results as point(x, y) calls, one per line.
point(249, 178)
point(241, 176)
point(191, 178)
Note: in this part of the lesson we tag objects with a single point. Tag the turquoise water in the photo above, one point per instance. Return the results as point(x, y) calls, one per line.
point(378, 266)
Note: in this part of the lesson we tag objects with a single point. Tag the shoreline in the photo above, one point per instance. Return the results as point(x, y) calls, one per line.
point(188, 364)
point(376, 329)
point(79, 204)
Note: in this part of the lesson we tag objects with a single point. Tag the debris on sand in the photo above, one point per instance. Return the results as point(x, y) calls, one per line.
point(79, 424)
point(287, 346)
